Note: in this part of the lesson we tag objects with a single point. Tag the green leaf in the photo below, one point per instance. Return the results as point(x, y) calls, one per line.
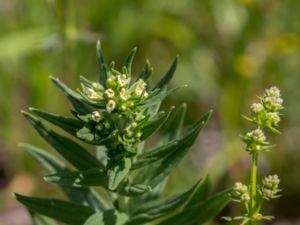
point(83, 178)
point(109, 217)
point(200, 194)
point(76, 99)
point(134, 190)
point(174, 125)
point(101, 64)
point(155, 123)
point(129, 60)
point(117, 173)
point(69, 149)
point(168, 76)
point(146, 73)
point(54, 165)
point(163, 151)
point(62, 211)
point(156, 172)
point(202, 212)
point(67, 124)
point(41, 220)
point(155, 209)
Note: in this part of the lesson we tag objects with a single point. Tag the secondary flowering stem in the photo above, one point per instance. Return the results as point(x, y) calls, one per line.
point(253, 188)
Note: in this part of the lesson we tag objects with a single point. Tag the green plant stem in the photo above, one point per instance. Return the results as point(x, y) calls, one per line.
point(253, 189)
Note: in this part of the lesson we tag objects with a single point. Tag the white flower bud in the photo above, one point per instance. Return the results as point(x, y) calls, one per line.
point(271, 181)
point(97, 86)
point(140, 87)
point(110, 93)
point(245, 197)
point(268, 193)
point(272, 91)
point(257, 135)
point(96, 116)
point(257, 107)
point(91, 94)
point(124, 94)
point(239, 187)
point(110, 106)
point(123, 80)
point(273, 117)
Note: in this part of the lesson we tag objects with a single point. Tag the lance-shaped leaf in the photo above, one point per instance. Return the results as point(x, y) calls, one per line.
point(163, 151)
point(152, 210)
point(67, 148)
point(62, 211)
point(109, 217)
point(155, 123)
point(156, 172)
point(54, 165)
point(146, 73)
point(118, 172)
point(101, 64)
point(41, 220)
point(129, 60)
point(174, 125)
point(134, 190)
point(168, 76)
point(200, 213)
point(76, 100)
point(67, 124)
point(82, 178)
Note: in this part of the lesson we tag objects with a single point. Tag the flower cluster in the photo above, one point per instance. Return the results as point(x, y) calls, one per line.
point(240, 192)
point(266, 112)
point(119, 114)
point(265, 115)
point(269, 187)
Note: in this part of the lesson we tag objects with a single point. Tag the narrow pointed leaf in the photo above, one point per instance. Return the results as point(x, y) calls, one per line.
point(41, 220)
point(174, 126)
point(163, 151)
point(76, 100)
point(117, 173)
point(109, 217)
point(67, 124)
point(129, 60)
point(67, 148)
point(62, 211)
point(156, 172)
point(168, 76)
point(101, 64)
point(83, 178)
point(146, 73)
point(155, 209)
point(54, 165)
point(155, 123)
point(200, 213)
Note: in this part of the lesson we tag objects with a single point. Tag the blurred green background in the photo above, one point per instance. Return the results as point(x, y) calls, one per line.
point(230, 50)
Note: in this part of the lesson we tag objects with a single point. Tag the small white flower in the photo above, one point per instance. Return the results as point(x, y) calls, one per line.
point(257, 107)
point(96, 116)
point(239, 187)
point(273, 91)
point(123, 80)
point(93, 95)
point(124, 94)
point(245, 197)
point(274, 102)
point(110, 93)
point(273, 117)
point(140, 86)
point(268, 193)
point(257, 135)
point(97, 86)
point(110, 106)
point(271, 181)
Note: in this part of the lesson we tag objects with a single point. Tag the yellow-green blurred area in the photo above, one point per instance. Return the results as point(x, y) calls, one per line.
point(230, 50)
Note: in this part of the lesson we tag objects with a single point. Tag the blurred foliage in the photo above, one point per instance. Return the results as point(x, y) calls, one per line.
point(230, 50)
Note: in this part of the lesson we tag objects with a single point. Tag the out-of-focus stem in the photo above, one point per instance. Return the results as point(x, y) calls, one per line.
point(253, 220)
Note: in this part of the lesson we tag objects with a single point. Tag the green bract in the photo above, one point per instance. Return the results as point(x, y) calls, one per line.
point(116, 114)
